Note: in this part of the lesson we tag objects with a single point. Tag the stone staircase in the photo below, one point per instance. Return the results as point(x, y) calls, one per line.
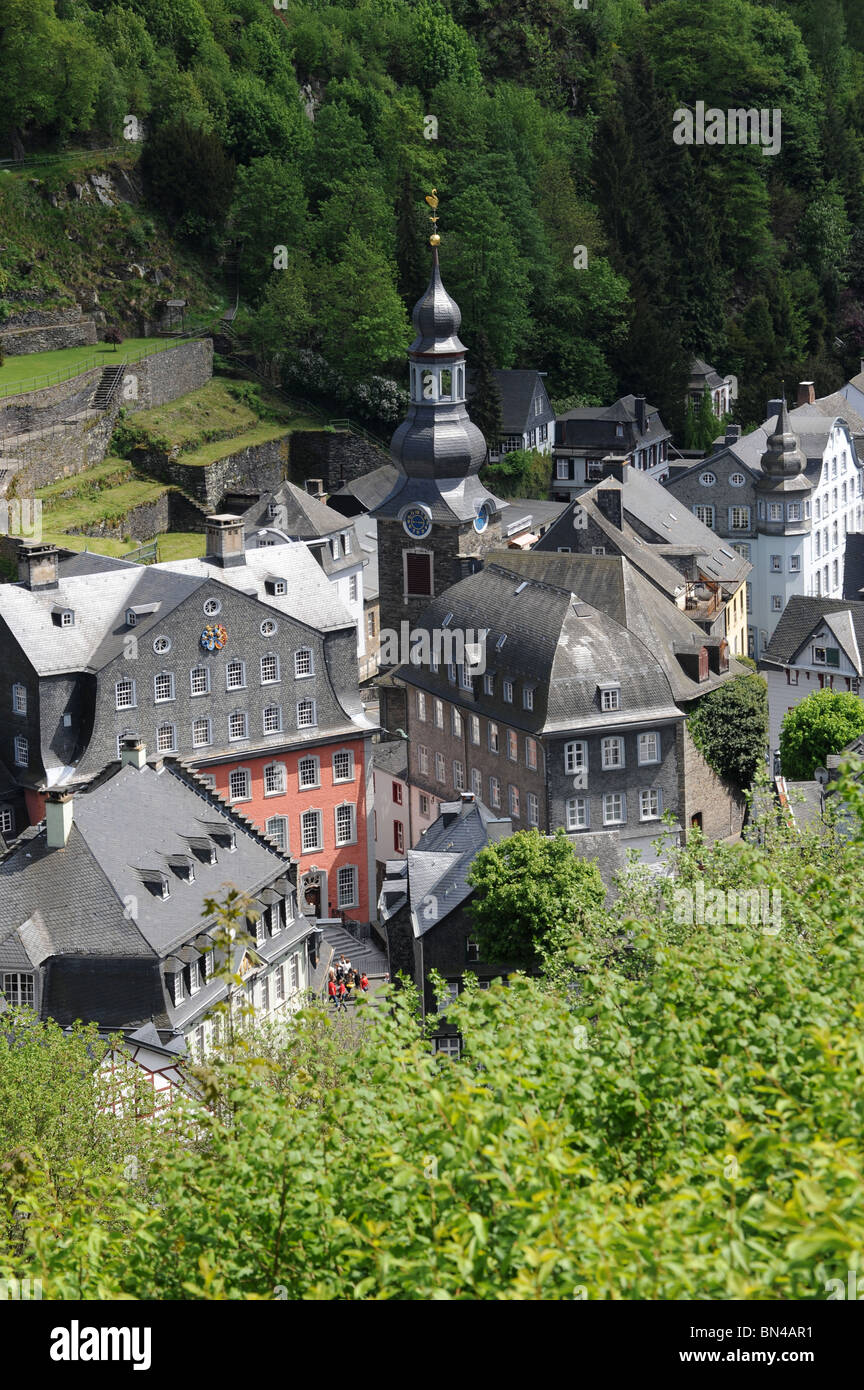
point(107, 387)
point(363, 954)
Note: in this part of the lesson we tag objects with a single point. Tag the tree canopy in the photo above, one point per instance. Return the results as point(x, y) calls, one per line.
point(824, 722)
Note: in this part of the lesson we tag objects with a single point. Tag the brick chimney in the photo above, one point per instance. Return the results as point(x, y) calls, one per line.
point(37, 564)
point(806, 393)
point(132, 752)
point(59, 814)
point(226, 544)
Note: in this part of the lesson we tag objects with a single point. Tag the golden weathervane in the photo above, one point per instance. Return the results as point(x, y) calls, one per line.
point(432, 200)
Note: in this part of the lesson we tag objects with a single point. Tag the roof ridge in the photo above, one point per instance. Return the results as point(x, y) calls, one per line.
point(182, 769)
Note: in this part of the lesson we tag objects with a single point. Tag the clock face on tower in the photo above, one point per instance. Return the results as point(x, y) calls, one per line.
point(416, 523)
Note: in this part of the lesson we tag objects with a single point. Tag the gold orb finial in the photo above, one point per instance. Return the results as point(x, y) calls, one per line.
point(432, 200)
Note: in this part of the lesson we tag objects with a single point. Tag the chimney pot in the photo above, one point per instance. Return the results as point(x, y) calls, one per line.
point(806, 393)
point(226, 541)
point(59, 814)
point(132, 752)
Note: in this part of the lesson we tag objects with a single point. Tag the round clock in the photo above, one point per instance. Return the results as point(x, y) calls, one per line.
point(416, 523)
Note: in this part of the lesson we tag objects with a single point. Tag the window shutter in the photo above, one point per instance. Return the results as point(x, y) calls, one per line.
point(418, 573)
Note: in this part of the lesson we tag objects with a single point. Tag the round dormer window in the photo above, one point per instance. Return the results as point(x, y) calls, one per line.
point(212, 606)
point(162, 645)
point(481, 520)
point(707, 479)
point(737, 479)
point(269, 628)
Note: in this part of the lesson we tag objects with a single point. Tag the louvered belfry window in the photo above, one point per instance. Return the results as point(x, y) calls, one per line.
point(418, 573)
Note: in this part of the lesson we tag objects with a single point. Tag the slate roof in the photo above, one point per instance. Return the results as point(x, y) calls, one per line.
point(391, 757)
point(594, 426)
point(302, 517)
point(803, 615)
point(812, 424)
point(371, 489)
point(448, 499)
point(516, 388)
point(709, 375)
point(439, 864)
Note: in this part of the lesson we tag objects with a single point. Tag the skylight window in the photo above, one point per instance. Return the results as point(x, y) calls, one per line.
point(523, 585)
point(500, 643)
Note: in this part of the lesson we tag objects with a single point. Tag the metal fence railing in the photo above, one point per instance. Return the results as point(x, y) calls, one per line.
point(89, 364)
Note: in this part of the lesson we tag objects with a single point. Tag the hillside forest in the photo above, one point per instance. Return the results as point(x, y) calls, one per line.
point(288, 146)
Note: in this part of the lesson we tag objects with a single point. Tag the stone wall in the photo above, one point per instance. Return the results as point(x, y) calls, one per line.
point(168, 374)
point(702, 793)
point(39, 318)
point(336, 457)
point(36, 410)
point(64, 451)
point(170, 512)
point(17, 341)
point(261, 468)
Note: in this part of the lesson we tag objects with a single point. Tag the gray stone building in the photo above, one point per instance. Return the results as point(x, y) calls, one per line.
point(578, 720)
point(630, 430)
point(527, 417)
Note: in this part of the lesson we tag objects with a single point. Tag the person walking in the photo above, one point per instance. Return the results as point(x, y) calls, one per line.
point(332, 991)
point(341, 998)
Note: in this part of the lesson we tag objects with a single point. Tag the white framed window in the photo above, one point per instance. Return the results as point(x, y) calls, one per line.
point(707, 479)
point(275, 779)
point(334, 547)
point(163, 687)
point(739, 518)
point(306, 717)
point(528, 697)
point(238, 725)
point(240, 784)
point(514, 800)
point(612, 752)
point(512, 746)
point(235, 675)
point(19, 699)
point(598, 550)
point(533, 809)
point(648, 745)
point(7, 820)
point(776, 603)
point(166, 739)
point(449, 1046)
point(201, 733)
point(421, 705)
point(19, 989)
point(440, 768)
point(310, 831)
point(650, 803)
point(199, 680)
point(531, 753)
point(352, 589)
point(346, 886)
point(343, 765)
point(493, 737)
point(271, 719)
point(704, 512)
point(346, 824)
point(370, 624)
point(269, 668)
point(294, 972)
point(576, 811)
point(610, 698)
point(279, 980)
point(793, 509)
point(475, 729)
point(489, 683)
point(455, 723)
point(494, 793)
point(124, 694)
point(422, 759)
point(562, 469)
point(439, 714)
point(67, 618)
point(477, 783)
point(742, 548)
point(507, 691)
point(776, 564)
point(303, 663)
point(775, 511)
point(614, 808)
point(575, 756)
point(794, 564)
point(308, 772)
point(458, 775)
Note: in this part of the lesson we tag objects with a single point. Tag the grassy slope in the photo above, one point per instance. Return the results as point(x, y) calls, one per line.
point(212, 422)
point(25, 370)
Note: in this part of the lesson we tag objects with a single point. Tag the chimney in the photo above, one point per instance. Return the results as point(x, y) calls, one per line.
point(58, 819)
point(37, 565)
point(132, 752)
point(806, 393)
point(608, 499)
point(226, 544)
point(733, 434)
point(640, 414)
point(467, 797)
point(614, 467)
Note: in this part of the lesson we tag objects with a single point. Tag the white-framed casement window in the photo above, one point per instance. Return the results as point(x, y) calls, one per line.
point(343, 765)
point(308, 772)
point(449, 1046)
point(533, 809)
point(455, 722)
point(7, 820)
point(166, 739)
point(294, 972)
point(439, 714)
point(19, 699)
point(494, 793)
point(235, 675)
point(614, 808)
point(507, 692)
point(575, 756)
point(650, 803)
point(739, 518)
point(612, 752)
point(275, 779)
point(531, 753)
point(345, 819)
point(179, 990)
point(424, 805)
point(269, 668)
point(648, 745)
point(704, 512)
point(163, 687)
point(476, 783)
point(489, 683)
point(793, 509)
point(775, 511)
point(303, 664)
point(422, 759)
point(22, 751)
point(576, 812)
point(352, 589)
point(201, 733)
point(440, 768)
point(346, 886)
point(466, 679)
point(277, 828)
point(398, 837)
point(421, 705)
point(196, 979)
point(240, 784)
point(512, 746)
point(19, 989)
point(794, 564)
point(562, 469)
point(475, 729)
point(334, 548)
point(458, 775)
point(199, 680)
point(776, 564)
point(528, 696)
point(493, 737)
point(306, 716)
point(238, 725)
point(610, 698)
point(271, 719)
point(514, 800)
point(279, 981)
point(124, 694)
point(776, 603)
point(310, 831)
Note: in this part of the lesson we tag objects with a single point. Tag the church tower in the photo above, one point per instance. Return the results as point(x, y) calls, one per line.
point(439, 519)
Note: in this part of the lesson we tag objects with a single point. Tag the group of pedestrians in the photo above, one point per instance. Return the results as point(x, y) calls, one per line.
point(345, 978)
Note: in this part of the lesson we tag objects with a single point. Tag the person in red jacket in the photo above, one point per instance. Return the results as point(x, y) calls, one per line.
point(332, 991)
point(340, 997)
point(364, 982)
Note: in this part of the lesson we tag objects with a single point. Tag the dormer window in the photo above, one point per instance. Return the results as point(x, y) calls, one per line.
point(275, 586)
point(273, 510)
point(131, 617)
point(610, 698)
point(63, 617)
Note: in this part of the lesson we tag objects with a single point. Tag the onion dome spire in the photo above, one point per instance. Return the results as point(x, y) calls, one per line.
point(783, 457)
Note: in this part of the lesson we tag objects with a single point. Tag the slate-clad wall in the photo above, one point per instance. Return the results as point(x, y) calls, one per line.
point(336, 457)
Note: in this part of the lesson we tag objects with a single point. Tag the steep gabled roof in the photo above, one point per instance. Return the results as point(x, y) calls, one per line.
point(800, 619)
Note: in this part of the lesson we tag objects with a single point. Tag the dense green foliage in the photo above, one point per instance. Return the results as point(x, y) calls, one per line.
point(730, 728)
point(546, 129)
point(822, 723)
point(685, 1125)
point(520, 473)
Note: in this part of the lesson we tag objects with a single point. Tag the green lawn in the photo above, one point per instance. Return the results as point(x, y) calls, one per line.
point(181, 545)
point(216, 410)
point(25, 372)
point(220, 448)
